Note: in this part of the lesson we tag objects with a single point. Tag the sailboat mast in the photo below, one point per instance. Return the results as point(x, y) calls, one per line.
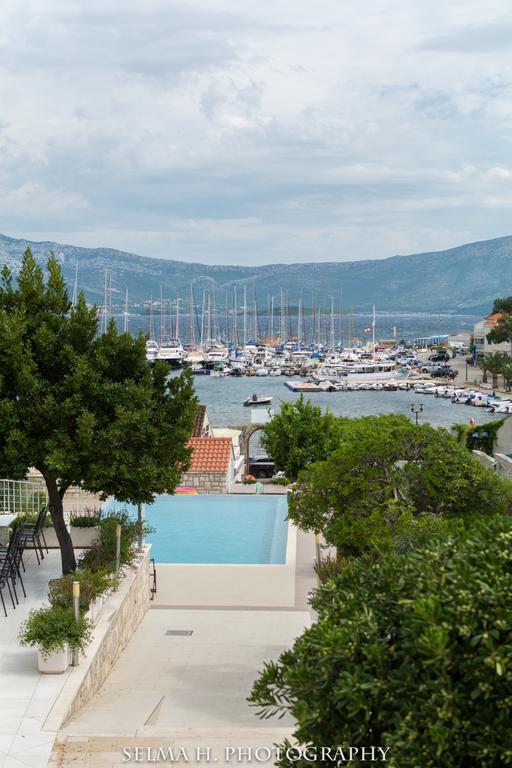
point(177, 329)
point(245, 315)
point(162, 314)
point(373, 331)
point(271, 334)
point(202, 317)
point(191, 339)
point(332, 323)
point(235, 319)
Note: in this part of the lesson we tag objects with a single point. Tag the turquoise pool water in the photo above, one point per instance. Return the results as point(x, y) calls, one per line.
point(216, 529)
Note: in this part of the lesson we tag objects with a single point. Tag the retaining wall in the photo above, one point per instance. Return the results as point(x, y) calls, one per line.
point(119, 618)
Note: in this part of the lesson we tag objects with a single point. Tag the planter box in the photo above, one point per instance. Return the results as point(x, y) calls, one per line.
point(82, 538)
point(54, 663)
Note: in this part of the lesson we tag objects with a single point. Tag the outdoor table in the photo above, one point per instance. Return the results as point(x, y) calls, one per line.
point(5, 521)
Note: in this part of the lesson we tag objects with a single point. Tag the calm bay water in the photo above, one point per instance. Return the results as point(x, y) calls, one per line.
point(224, 398)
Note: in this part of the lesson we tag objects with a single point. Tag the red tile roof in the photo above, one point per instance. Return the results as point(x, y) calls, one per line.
point(199, 423)
point(493, 319)
point(210, 454)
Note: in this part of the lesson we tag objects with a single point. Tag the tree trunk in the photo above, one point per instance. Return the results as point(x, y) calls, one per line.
point(56, 506)
point(495, 381)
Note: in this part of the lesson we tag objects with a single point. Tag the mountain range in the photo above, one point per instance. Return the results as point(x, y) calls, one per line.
point(462, 279)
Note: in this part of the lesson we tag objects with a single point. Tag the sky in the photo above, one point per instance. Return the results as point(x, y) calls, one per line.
point(230, 132)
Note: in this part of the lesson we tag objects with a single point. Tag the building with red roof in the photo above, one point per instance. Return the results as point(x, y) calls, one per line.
point(211, 466)
point(482, 328)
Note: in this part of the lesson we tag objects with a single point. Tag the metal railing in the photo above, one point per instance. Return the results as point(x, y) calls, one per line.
point(22, 497)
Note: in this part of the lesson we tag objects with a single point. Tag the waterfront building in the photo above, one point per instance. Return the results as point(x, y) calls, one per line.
point(482, 328)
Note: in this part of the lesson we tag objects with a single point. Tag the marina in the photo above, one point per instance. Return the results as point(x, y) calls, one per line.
point(225, 401)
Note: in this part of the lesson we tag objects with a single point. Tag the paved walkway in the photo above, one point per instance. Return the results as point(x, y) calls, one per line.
point(26, 696)
point(190, 691)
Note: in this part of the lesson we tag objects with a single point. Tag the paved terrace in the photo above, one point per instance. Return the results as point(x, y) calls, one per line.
point(26, 696)
point(190, 691)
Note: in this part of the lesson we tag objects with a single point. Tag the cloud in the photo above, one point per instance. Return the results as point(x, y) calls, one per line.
point(224, 131)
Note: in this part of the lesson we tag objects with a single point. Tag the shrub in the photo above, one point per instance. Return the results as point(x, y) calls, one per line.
point(52, 627)
point(328, 567)
point(84, 521)
point(249, 480)
point(30, 519)
point(410, 652)
point(93, 584)
point(103, 554)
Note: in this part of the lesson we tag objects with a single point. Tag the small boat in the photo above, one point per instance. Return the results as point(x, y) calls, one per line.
point(255, 400)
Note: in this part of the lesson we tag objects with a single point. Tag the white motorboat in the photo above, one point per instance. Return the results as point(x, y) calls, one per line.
point(255, 400)
point(172, 352)
point(151, 350)
point(217, 353)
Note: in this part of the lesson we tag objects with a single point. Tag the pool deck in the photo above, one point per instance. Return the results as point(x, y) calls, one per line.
point(190, 691)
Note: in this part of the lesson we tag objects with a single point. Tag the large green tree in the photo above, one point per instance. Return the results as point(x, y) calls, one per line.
point(502, 331)
point(82, 408)
point(300, 434)
point(503, 305)
point(410, 653)
point(386, 472)
point(494, 363)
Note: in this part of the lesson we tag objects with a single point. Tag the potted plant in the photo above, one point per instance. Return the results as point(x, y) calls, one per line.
point(55, 632)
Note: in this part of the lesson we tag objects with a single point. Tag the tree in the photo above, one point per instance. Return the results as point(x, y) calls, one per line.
point(502, 305)
point(385, 473)
point(506, 372)
point(410, 653)
point(81, 408)
point(493, 364)
point(300, 434)
point(502, 331)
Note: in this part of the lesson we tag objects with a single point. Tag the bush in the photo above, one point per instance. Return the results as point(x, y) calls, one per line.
point(31, 519)
point(50, 628)
point(93, 584)
point(103, 554)
point(249, 480)
point(410, 652)
point(84, 521)
point(328, 567)
point(280, 481)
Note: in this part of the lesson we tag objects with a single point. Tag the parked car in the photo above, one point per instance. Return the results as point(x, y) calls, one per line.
point(439, 357)
point(261, 467)
point(445, 372)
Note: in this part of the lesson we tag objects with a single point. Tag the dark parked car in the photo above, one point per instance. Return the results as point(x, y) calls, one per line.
point(444, 372)
point(439, 357)
point(261, 467)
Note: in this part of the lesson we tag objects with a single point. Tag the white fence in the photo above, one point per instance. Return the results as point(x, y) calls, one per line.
point(22, 497)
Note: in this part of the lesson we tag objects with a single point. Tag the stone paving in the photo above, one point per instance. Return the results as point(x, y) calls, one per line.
point(189, 692)
point(26, 696)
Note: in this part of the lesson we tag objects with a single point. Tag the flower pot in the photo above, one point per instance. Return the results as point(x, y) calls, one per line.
point(54, 663)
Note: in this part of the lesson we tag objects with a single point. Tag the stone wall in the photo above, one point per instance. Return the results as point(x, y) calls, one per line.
point(504, 438)
point(119, 618)
point(206, 482)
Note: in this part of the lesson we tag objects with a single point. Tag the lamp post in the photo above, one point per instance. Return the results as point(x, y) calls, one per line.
point(416, 410)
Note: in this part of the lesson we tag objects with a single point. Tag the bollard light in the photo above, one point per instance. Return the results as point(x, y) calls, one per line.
point(317, 547)
point(118, 548)
point(76, 612)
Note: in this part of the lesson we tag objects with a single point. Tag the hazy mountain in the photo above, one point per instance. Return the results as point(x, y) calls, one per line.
point(464, 278)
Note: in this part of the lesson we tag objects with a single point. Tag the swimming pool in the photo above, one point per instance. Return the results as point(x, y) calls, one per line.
point(216, 529)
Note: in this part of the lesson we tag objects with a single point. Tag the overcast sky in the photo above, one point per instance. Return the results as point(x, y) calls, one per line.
point(231, 132)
